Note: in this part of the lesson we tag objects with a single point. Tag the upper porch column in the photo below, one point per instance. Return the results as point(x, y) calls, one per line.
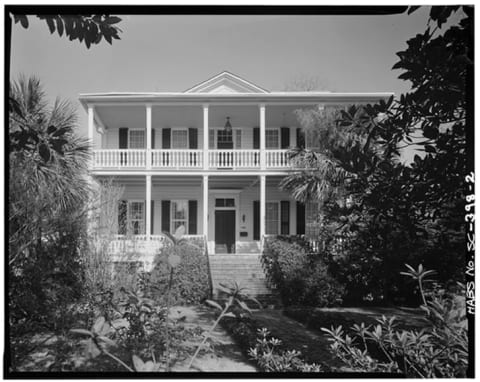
point(149, 136)
point(205, 137)
point(262, 136)
point(91, 123)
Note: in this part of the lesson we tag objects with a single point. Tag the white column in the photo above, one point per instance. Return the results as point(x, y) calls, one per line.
point(205, 206)
point(205, 137)
point(262, 136)
point(149, 136)
point(91, 123)
point(148, 206)
point(262, 208)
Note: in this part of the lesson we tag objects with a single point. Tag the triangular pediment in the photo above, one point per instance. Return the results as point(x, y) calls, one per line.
point(226, 83)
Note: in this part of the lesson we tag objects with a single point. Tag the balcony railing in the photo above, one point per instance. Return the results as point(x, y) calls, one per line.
point(177, 158)
point(119, 158)
point(189, 159)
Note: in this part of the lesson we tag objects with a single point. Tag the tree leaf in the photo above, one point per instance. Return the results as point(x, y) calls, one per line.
point(113, 20)
point(85, 332)
point(50, 23)
point(98, 325)
point(138, 364)
point(44, 152)
point(213, 304)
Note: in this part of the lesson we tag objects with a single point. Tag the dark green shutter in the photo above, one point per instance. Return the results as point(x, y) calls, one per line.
point(256, 220)
point(256, 138)
point(123, 138)
point(152, 216)
point(122, 217)
point(165, 215)
point(192, 217)
point(192, 138)
point(284, 137)
point(153, 138)
point(300, 138)
point(300, 218)
point(284, 217)
point(166, 138)
point(123, 143)
point(193, 144)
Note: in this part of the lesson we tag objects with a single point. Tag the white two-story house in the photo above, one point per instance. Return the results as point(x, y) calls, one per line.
point(209, 158)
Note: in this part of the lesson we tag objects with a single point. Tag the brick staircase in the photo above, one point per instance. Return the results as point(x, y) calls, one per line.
point(247, 271)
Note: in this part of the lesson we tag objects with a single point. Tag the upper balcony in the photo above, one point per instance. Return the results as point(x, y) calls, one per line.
point(171, 159)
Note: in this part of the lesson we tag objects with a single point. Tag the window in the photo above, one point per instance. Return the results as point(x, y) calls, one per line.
point(272, 218)
point(136, 218)
point(137, 139)
point(224, 136)
point(225, 202)
point(211, 139)
point(272, 140)
point(179, 139)
point(238, 139)
point(179, 215)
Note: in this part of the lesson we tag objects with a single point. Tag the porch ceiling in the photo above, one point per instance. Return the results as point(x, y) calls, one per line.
point(215, 182)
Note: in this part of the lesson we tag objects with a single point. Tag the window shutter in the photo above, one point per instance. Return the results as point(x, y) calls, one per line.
point(165, 215)
point(300, 218)
point(123, 138)
point(300, 138)
point(166, 133)
point(193, 138)
point(152, 216)
point(285, 137)
point(153, 138)
point(122, 217)
point(192, 217)
point(256, 220)
point(284, 217)
point(256, 138)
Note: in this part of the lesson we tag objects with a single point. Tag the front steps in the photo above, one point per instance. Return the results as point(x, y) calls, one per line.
point(247, 271)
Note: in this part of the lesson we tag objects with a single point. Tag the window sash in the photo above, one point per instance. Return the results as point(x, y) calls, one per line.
point(136, 217)
point(272, 218)
point(179, 139)
point(272, 139)
point(136, 139)
point(178, 215)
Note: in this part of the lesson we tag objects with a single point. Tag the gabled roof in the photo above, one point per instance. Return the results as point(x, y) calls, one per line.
point(226, 83)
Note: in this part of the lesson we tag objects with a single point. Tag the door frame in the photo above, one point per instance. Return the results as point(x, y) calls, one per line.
point(227, 194)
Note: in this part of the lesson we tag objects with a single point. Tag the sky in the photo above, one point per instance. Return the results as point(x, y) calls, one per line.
point(173, 53)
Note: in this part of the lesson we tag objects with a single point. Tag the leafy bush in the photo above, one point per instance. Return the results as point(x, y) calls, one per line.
point(270, 358)
point(191, 282)
point(300, 277)
point(440, 350)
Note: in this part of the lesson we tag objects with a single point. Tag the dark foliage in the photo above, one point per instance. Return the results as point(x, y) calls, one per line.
point(89, 29)
point(301, 278)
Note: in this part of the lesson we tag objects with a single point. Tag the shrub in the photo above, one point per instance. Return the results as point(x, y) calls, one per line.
point(301, 277)
point(270, 358)
point(439, 350)
point(191, 281)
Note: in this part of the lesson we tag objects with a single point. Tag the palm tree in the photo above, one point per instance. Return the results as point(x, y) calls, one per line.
point(48, 178)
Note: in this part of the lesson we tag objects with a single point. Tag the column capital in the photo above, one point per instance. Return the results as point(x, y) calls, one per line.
point(206, 105)
point(261, 106)
point(148, 105)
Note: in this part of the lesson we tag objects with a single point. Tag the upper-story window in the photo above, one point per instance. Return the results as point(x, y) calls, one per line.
point(272, 139)
point(136, 139)
point(179, 139)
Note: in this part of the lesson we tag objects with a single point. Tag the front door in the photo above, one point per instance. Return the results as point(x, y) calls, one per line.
point(225, 231)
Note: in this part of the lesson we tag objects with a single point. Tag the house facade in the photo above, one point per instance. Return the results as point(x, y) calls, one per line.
point(209, 158)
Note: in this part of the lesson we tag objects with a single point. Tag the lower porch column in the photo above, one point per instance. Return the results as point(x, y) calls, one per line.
point(148, 206)
point(205, 206)
point(262, 210)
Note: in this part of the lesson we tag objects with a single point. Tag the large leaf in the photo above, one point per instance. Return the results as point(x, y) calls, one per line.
point(82, 331)
point(213, 304)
